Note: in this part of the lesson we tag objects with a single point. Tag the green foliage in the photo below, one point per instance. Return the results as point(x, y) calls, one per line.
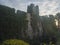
point(49, 25)
point(14, 42)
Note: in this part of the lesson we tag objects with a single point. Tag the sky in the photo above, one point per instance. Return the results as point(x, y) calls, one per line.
point(46, 7)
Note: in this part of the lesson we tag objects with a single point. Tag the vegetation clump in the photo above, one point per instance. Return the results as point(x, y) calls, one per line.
point(14, 42)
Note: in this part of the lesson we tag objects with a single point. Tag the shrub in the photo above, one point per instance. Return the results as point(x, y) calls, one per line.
point(14, 42)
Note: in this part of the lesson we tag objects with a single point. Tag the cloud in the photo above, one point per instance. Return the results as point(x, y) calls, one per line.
point(46, 7)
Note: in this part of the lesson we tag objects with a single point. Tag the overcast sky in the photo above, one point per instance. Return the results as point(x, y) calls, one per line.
point(46, 7)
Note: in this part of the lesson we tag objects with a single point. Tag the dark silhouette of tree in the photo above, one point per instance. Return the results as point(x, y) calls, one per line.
point(49, 29)
point(58, 26)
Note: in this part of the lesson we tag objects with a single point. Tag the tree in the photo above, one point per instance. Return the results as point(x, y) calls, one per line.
point(58, 19)
point(49, 29)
